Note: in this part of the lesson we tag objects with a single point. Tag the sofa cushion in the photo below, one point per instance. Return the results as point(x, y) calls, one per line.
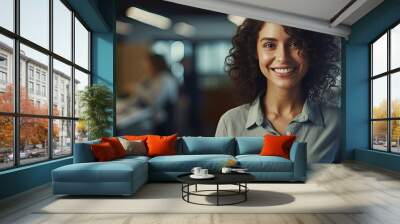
point(116, 145)
point(103, 152)
point(277, 145)
point(257, 163)
point(249, 145)
point(134, 147)
point(112, 171)
point(161, 145)
point(207, 145)
point(83, 152)
point(185, 163)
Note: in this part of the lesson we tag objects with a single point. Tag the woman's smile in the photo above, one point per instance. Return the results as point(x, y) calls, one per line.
point(284, 71)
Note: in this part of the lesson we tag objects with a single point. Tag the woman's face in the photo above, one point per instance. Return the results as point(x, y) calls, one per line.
point(279, 58)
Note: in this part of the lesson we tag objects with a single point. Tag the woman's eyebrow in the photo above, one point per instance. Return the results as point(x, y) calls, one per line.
point(268, 38)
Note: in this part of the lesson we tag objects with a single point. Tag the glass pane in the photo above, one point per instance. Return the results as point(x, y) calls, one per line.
point(210, 57)
point(34, 92)
point(395, 47)
point(62, 89)
point(35, 21)
point(81, 45)
point(395, 138)
point(379, 98)
point(379, 135)
point(379, 55)
point(81, 81)
point(7, 14)
point(81, 131)
point(6, 142)
point(33, 139)
point(6, 74)
point(62, 29)
point(62, 138)
point(395, 94)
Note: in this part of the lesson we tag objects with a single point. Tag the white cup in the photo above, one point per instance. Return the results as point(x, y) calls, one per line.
point(196, 171)
point(226, 170)
point(203, 172)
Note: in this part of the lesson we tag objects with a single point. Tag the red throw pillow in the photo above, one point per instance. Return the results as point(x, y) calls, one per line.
point(161, 145)
point(116, 145)
point(103, 152)
point(136, 137)
point(277, 145)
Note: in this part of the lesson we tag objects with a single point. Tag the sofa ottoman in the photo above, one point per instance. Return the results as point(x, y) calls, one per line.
point(119, 177)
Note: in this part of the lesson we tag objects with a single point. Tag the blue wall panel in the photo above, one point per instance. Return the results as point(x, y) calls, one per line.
point(357, 84)
point(24, 178)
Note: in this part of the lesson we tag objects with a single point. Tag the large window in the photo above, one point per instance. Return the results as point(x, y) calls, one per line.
point(44, 64)
point(385, 91)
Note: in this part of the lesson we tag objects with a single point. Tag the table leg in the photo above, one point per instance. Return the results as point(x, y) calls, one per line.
point(245, 193)
point(217, 194)
point(196, 188)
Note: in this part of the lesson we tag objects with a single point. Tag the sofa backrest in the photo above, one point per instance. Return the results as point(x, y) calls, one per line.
point(206, 145)
point(249, 145)
point(83, 152)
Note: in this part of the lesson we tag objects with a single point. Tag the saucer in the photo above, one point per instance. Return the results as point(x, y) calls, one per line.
point(208, 176)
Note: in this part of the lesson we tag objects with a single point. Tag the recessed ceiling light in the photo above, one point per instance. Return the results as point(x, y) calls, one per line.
point(237, 20)
point(184, 29)
point(149, 18)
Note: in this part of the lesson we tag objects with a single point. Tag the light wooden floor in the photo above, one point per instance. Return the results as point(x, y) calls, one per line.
point(378, 188)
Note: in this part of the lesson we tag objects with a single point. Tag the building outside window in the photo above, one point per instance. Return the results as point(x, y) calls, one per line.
point(30, 72)
point(385, 92)
point(56, 135)
point(30, 87)
point(43, 90)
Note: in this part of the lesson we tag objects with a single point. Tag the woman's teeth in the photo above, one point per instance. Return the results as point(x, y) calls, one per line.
point(283, 70)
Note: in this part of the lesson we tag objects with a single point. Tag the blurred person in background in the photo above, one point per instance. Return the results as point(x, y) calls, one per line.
point(159, 93)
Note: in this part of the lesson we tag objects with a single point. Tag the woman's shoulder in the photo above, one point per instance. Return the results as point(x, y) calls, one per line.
point(331, 113)
point(237, 113)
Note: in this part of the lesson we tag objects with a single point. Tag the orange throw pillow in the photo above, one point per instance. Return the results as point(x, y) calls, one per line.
point(135, 137)
point(161, 145)
point(103, 152)
point(116, 145)
point(277, 145)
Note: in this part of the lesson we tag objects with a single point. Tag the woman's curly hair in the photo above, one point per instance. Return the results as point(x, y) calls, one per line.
point(323, 52)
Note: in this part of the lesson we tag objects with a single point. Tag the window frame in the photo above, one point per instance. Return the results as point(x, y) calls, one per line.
point(388, 74)
point(16, 115)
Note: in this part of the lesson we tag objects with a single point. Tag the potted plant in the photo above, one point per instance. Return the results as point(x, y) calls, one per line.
point(96, 103)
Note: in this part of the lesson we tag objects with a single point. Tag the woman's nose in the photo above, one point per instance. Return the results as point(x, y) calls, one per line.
point(282, 53)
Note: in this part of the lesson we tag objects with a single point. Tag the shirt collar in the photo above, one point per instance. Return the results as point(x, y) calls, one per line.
point(255, 116)
point(311, 112)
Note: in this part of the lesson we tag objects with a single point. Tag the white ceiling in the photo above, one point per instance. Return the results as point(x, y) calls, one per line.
point(320, 9)
point(315, 15)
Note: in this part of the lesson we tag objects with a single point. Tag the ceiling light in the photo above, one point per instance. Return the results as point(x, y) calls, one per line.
point(149, 18)
point(123, 28)
point(184, 29)
point(237, 20)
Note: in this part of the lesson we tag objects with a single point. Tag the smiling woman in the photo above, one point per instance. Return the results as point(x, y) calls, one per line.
point(284, 75)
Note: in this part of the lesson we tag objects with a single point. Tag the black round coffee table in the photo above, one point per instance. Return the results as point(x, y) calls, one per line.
point(238, 179)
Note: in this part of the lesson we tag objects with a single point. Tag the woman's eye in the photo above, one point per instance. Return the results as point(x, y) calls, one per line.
point(268, 45)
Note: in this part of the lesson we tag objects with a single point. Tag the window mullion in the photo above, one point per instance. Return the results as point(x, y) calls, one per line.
point(50, 81)
point(16, 84)
point(73, 83)
point(389, 106)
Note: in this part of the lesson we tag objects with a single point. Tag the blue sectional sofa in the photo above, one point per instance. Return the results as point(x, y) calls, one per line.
point(125, 176)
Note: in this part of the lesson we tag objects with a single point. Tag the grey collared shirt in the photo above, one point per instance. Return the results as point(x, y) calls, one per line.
point(318, 125)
